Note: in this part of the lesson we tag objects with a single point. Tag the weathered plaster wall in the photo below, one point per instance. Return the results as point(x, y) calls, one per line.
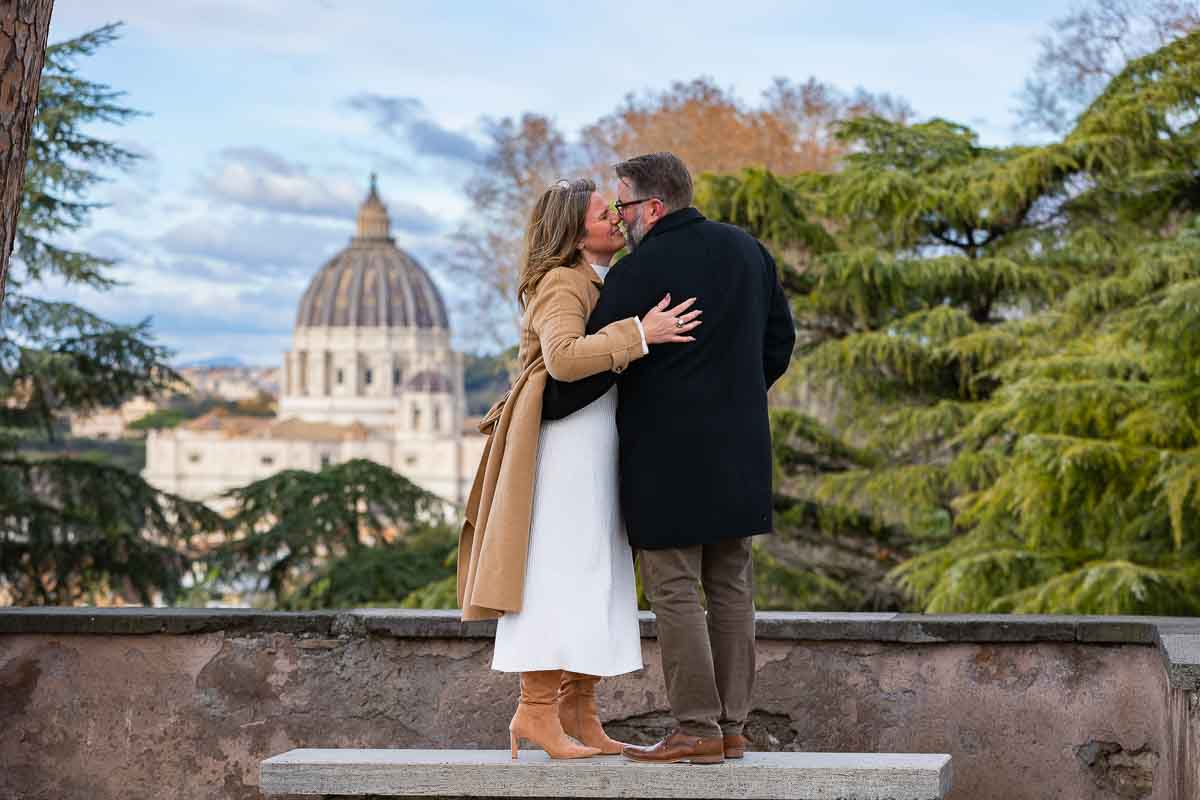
point(1189, 765)
point(155, 715)
point(1183, 722)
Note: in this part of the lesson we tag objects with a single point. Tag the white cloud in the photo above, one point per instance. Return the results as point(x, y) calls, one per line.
point(269, 245)
point(406, 119)
point(259, 178)
point(198, 308)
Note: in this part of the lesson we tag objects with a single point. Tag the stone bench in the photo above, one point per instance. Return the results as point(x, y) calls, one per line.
point(492, 773)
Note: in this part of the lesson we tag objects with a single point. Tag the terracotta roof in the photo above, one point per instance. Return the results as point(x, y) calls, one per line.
point(298, 429)
point(230, 424)
point(291, 428)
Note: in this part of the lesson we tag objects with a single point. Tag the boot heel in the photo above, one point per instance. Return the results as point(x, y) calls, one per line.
point(512, 741)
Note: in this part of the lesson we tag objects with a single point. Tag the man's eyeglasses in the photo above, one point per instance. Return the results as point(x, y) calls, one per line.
point(621, 205)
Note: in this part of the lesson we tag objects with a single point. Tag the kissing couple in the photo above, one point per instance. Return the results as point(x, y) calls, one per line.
point(639, 423)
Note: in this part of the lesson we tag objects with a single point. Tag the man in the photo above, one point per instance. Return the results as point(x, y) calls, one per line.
point(695, 445)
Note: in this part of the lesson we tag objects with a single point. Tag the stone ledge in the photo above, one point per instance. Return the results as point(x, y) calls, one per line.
point(1178, 638)
point(491, 773)
point(1181, 652)
point(140, 620)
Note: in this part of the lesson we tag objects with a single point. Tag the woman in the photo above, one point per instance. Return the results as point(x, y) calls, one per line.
point(543, 547)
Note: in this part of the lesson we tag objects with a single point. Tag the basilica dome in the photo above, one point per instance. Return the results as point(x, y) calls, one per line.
point(372, 283)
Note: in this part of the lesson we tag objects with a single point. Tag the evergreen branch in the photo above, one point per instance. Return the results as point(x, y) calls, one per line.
point(1109, 587)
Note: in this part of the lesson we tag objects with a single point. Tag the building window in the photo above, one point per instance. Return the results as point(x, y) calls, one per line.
point(367, 377)
point(194, 458)
point(410, 461)
point(341, 377)
point(325, 460)
point(437, 418)
point(267, 461)
point(395, 376)
point(416, 418)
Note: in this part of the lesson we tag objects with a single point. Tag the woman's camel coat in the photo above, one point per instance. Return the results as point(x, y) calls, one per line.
point(495, 536)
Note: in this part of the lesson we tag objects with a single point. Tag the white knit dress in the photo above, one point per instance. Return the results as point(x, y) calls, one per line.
point(579, 609)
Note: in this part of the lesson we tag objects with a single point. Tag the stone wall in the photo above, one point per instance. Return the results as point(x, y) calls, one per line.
point(152, 703)
point(1184, 741)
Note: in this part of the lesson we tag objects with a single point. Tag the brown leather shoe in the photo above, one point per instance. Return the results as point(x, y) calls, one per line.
point(735, 746)
point(577, 712)
point(679, 747)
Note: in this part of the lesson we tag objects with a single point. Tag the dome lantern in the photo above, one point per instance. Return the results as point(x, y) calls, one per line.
point(373, 216)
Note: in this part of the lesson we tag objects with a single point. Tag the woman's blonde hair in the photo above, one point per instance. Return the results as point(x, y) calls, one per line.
point(556, 226)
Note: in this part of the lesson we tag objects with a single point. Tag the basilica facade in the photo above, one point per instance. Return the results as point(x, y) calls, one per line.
point(371, 374)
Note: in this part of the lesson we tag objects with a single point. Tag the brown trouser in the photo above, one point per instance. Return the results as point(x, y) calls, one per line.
point(708, 662)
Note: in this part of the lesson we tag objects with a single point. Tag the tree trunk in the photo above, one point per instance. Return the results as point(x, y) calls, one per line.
point(24, 27)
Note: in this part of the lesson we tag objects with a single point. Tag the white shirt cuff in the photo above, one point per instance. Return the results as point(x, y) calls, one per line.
point(642, 333)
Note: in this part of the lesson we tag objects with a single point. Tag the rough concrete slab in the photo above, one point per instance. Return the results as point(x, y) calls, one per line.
point(1120, 630)
point(492, 773)
point(1182, 655)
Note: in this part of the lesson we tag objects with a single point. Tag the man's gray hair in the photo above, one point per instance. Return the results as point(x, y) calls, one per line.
point(661, 175)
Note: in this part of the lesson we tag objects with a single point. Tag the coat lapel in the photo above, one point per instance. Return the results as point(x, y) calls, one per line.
point(585, 269)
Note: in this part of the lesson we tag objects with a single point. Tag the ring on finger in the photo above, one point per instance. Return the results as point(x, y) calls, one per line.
point(678, 322)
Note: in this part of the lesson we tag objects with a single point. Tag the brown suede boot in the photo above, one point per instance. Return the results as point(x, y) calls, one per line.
point(537, 718)
point(577, 712)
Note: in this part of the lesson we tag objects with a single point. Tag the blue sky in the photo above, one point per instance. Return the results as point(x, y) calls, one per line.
point(264, 118)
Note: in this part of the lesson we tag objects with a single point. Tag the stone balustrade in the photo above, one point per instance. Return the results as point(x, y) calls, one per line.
point(186, 703)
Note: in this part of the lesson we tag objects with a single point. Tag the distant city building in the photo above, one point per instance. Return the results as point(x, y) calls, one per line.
point(111, 423)
point(233, 383)
point(371, 374)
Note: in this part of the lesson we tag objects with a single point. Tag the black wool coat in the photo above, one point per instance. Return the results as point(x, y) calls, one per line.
point(695, 439)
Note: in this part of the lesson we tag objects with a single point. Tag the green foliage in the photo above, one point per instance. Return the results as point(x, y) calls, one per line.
point(71, 527)
point(779, 587)
point(382, 575)
point(486, 378)
point(829, 556)
point(1007, 341)
point(56, 357)
point(307, 533)
point(440, 593)
point(761, 203)
point(162, 418)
